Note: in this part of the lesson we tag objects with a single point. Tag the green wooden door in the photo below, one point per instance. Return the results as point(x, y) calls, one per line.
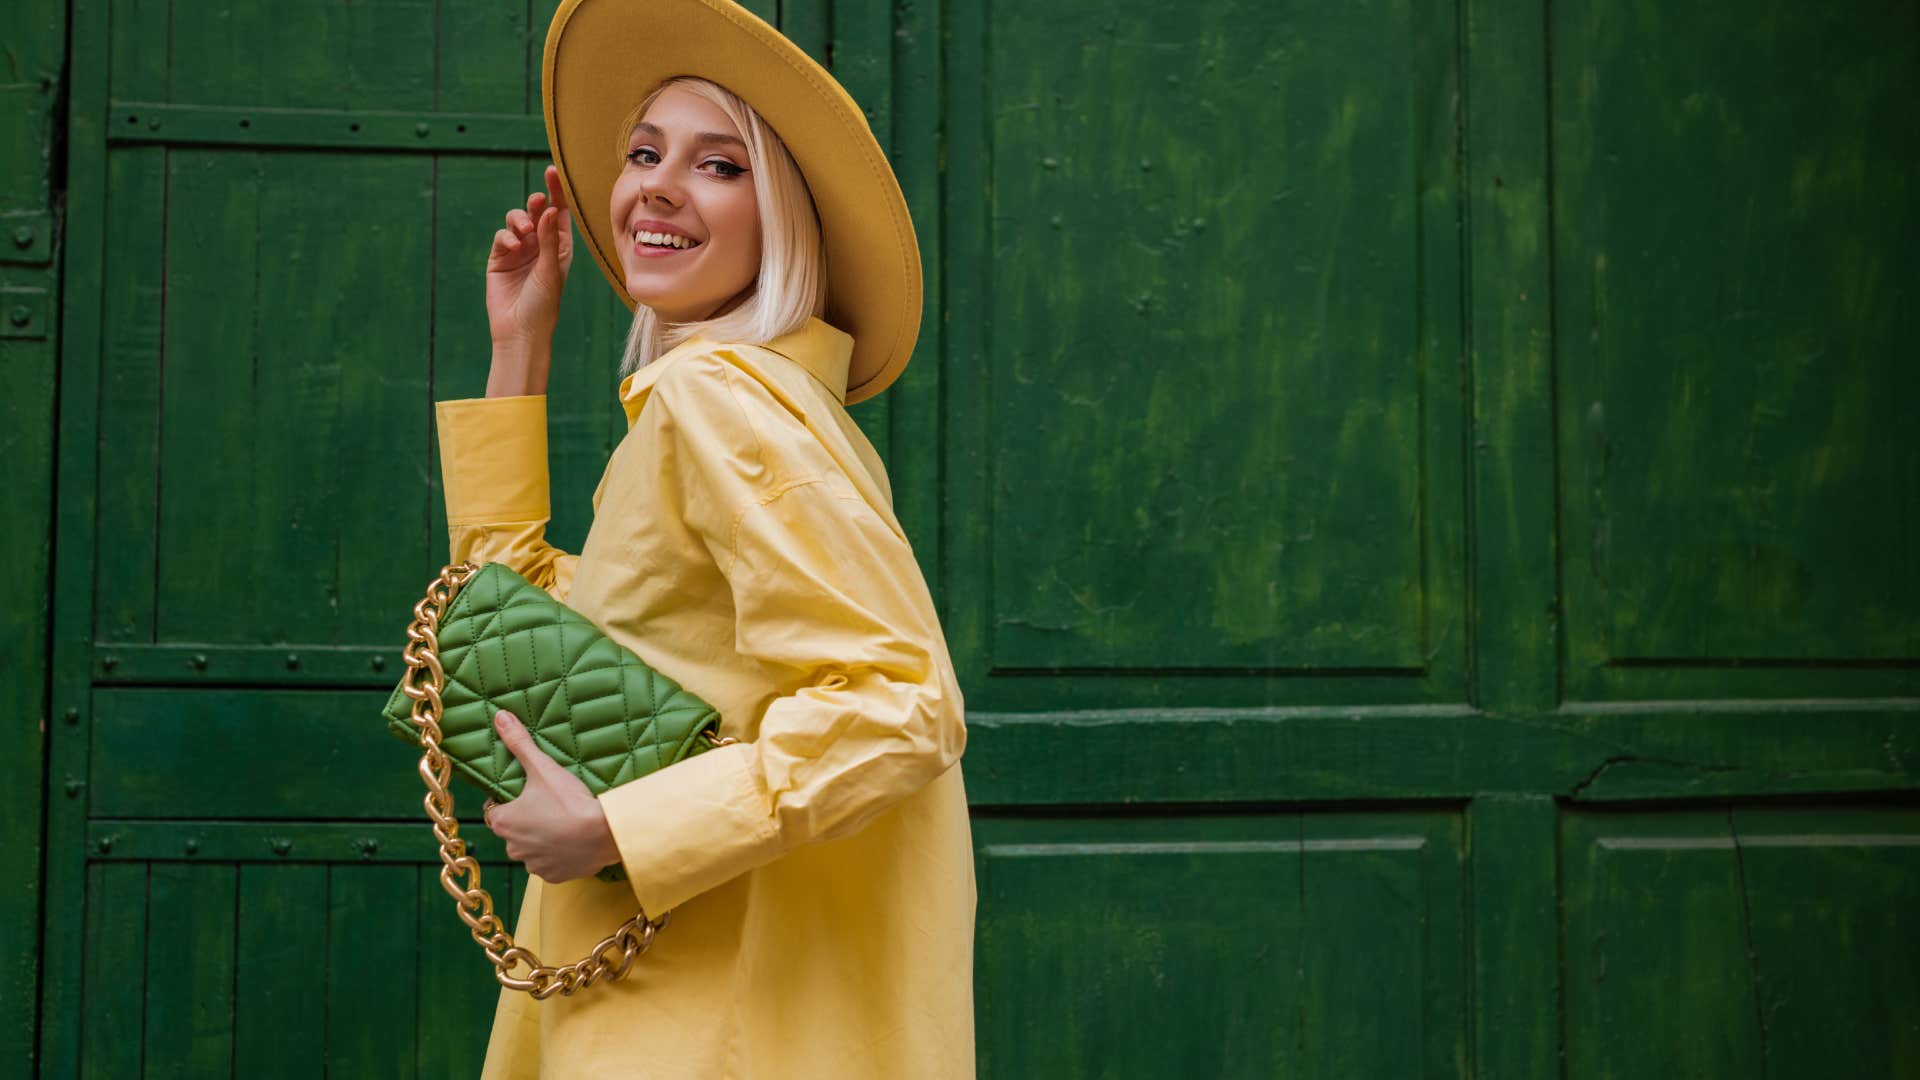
point(1420, 497)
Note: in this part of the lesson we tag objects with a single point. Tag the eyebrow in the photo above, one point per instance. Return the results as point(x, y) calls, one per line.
point(701, 137)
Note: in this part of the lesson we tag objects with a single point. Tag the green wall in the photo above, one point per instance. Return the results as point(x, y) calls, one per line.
point(1422, 499)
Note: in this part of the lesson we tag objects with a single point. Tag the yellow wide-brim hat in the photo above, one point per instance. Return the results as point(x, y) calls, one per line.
point(604, 56)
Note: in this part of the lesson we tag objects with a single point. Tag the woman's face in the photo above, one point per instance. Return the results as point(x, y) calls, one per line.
point(678, 180)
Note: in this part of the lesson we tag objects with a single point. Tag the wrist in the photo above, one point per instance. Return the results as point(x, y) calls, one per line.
point(519, 368)
point(607, 852)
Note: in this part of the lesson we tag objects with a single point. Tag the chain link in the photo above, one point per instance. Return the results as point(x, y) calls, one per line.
point(423, 682)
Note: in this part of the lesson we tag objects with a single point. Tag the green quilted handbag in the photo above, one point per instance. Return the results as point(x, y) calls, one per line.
point(485, 639)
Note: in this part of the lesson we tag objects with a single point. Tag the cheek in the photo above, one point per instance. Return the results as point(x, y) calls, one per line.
point(743, 223)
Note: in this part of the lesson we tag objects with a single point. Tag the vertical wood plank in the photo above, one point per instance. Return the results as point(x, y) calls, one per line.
point(31, 99)
point(133, 303)
point(280, 975)
point(211, 508)
point(1516, 624)
point(116, 966)
point(345, 242)
point(1514, 936)
point(74, 510)
point(190, 956)
point(372, 941)
point(477, 56)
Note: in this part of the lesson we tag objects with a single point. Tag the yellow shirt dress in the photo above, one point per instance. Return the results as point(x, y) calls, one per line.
point(820, 872)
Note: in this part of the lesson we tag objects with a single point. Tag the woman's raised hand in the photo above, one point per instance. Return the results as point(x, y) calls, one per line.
point(527, 268)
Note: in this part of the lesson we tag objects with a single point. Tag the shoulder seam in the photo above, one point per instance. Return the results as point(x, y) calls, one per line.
point(777, 490)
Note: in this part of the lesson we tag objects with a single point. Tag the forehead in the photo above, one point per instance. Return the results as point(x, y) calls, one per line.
point(679, 113)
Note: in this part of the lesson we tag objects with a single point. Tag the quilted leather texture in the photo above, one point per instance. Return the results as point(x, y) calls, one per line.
point(588, 701)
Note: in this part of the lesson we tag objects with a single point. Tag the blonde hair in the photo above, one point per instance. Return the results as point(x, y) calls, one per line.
point(791, 285)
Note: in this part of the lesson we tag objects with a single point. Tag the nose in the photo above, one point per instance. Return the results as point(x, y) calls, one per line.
point(658, 185)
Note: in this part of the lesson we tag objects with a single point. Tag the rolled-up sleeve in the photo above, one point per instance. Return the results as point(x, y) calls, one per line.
point(493, 470)
point(828, 596)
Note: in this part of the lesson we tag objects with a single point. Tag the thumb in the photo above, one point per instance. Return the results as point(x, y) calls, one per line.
point(519, 743)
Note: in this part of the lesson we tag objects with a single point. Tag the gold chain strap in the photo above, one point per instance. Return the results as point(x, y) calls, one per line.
point(472, 902)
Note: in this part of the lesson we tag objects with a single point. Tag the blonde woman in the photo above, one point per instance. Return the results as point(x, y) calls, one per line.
point(820, 869)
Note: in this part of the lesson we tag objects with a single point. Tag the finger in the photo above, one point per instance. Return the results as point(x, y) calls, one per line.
point(519, 743)
point(554, 193)
point(553, 234)
point(504, 240)
point(518, 220)
point(536, 203)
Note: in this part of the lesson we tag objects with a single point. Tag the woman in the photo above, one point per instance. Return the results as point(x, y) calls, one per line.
point(820, 869)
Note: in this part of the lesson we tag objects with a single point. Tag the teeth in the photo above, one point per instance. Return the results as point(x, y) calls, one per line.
point(646, 237)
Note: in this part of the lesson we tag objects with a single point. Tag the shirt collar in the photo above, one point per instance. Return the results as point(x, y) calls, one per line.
point(824, 350)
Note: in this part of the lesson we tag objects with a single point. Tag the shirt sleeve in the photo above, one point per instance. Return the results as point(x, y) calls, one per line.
point(493, 469)
point(827, 594)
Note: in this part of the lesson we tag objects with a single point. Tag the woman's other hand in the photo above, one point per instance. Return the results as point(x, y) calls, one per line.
point(527, 269)
point(556, 826)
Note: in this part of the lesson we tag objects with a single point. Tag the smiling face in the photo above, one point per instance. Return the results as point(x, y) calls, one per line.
point(682, 176)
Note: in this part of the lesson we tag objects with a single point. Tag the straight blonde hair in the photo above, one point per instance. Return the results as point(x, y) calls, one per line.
point(791, 285)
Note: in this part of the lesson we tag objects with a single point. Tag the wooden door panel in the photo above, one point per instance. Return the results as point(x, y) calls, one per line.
point(1736, 940)
point(1733, 347)
point(1279, 944)
point(233, 966)
point(1206, 334)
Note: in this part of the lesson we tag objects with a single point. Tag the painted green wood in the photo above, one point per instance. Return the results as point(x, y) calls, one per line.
point(1291, 944)
point(1513, 931)
point(189, 977)
point(1732, 265)
point(64, 957)
point(133, 123)
point(31, 99)
point(167, 753)
point(280, 966)
point(305, 55)
point(130, 379)
point(1514, 612)
point(291, 842)
point(1228, 486)
point(133, 292)
point(1738, 941)
point(1218, 423)
point(285, 543)
point(200, 664)
point(1836, 884)
point(373, 948)
point(116, 971)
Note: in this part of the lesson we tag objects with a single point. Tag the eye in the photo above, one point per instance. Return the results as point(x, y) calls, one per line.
point(723, 168)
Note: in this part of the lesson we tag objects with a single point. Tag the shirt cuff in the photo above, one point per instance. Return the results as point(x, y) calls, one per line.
point(493, 458)
point(691, 826)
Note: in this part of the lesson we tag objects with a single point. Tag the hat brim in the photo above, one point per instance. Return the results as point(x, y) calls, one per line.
point(604, 56)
